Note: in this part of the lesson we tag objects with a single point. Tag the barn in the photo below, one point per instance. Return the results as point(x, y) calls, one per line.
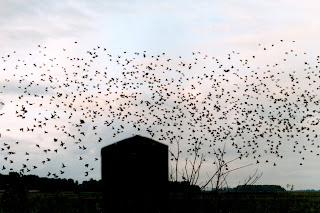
point(135, 175)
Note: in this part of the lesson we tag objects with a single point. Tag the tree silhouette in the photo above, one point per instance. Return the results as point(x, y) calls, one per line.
point(15, 197)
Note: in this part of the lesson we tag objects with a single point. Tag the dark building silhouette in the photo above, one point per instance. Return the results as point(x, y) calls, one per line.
point(135, 176)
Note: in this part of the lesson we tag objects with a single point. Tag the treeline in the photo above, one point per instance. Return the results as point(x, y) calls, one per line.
point(255, 188)
point(260, 188)
point(43, 184)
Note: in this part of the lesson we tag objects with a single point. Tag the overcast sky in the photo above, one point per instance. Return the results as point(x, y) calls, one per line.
point(49, 29)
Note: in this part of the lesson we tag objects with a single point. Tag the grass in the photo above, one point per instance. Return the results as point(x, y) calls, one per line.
point(272, 202)
point(86, 202)
point(255, 202)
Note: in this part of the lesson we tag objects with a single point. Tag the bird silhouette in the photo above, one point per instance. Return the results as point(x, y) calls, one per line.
point(205, 101)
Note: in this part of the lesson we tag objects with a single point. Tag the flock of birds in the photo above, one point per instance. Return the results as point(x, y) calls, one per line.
point(53, 107)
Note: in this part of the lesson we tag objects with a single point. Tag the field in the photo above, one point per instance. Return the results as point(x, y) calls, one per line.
point(91, 202)
point(83, 202)
point(293, 201)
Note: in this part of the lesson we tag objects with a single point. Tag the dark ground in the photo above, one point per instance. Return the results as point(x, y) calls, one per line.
point(91, 202)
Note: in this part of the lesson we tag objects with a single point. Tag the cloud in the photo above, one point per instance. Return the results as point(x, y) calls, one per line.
point(29, 21)
point(241, 25)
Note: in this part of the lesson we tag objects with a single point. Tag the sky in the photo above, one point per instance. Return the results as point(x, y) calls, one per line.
point(46, 35)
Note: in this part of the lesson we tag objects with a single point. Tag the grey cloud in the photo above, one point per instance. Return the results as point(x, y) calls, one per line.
point(25, 21)
point(12, 88)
